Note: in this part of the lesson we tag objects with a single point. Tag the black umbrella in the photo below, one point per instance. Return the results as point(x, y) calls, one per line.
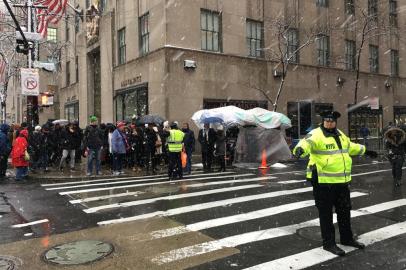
point(151, 119)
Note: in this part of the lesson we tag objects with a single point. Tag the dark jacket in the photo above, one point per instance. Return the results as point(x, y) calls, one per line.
point(5, 144)
point(207, 143)
point(189, 140)
point(150, 139)
point(220, 144)
point(70, 140)
point(395, 142)
point(93, 137)
point(36, 142)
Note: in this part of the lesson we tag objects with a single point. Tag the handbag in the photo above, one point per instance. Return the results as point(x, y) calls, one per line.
point(26, 156)
point(184, 159)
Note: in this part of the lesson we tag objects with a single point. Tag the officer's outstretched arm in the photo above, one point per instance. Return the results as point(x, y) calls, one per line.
point(303, 148)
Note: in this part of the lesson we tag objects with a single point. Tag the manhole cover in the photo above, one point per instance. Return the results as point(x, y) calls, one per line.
point(311, 233)
point(80, 252)
point(9, 263)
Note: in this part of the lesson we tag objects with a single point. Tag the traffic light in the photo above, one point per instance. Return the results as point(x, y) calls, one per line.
point(22, 47)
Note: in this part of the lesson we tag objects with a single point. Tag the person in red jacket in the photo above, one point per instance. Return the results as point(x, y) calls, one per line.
point(18, 159)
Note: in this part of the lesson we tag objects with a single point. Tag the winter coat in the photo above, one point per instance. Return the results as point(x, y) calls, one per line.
point(207, 143)
point(118, 142)
point(220, 144)
point(19, 148)
point(93, 137)
point(395, 142)
point(150, 139)
point(36, 142)
point(5, 144)
point(189, 140)
point(70, 140)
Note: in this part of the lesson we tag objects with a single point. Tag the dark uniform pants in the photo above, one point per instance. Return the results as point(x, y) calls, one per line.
point(175, 165)
point(207, 158)
point(326, 196)
point(397, 164)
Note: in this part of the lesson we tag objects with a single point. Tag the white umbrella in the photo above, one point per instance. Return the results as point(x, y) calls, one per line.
point(60, 122)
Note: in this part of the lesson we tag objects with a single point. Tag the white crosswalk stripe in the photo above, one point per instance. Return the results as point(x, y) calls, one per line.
point(238, 197)
point(240, 239)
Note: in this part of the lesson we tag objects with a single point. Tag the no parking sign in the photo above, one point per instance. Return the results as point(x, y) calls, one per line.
point(29, 82)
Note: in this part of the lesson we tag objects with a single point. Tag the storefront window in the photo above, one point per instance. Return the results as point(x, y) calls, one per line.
point(131, 102)
point(305, 116)
point(371, 119)
point(399, 115)
point(72, 111)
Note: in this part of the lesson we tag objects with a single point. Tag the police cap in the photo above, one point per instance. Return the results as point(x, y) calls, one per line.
point(330, 115)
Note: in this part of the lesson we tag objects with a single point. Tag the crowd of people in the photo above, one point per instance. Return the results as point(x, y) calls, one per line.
point(131, 145)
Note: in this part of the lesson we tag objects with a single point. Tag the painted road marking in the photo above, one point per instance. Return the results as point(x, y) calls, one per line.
point(30, 223)
point(169, 198)
point(147, 178)
point(202, 206)
point(267, 212)
point(319, 255)
point(105, 197)
point(153, 184)
point(120, 182)
point(291, 182)
point(245, 238)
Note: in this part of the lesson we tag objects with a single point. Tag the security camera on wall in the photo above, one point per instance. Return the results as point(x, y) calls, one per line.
point(189, 64)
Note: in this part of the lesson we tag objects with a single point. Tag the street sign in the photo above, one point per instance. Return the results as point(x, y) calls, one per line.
point(45, 65)
point(374, 103)
point(29, 36)
point(29, 82)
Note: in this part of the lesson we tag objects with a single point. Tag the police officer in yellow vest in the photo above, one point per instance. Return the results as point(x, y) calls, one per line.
point(175, 145)
point(329, 170)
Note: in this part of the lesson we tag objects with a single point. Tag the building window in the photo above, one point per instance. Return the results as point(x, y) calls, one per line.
point(72, 111)
point(144, 34)
point(255, 38)
point(68, 73)
point(349, 7)
point(322, 3)
point(102, 5)
point(77, 68)
point(87, 4)
point(394, 62)
point(132, 102)
point(293, 45)
point(393, 14)
point(121, 46)
point(373, 10)
point(373, 59)
point(51, 36)
point(350, 52)
point(210, 23)
point(323, 50)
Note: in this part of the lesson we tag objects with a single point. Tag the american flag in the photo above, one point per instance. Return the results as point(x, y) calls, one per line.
point(54, 11)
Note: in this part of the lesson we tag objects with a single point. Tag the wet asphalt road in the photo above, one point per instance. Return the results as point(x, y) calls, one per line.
point(263, 214)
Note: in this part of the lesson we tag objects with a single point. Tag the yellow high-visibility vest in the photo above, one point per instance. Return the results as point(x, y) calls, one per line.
point(175, 140)
point(333, 164)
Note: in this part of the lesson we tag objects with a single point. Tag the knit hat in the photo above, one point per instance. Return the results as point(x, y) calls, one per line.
point(37, 128)
point(120, 124)
point(93, 118)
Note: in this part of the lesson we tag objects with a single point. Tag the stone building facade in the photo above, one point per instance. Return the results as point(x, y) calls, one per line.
point(174, 57)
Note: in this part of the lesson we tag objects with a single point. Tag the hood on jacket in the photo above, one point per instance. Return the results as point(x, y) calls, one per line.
point(395, 136)
point(24, 133)
point(4, 128)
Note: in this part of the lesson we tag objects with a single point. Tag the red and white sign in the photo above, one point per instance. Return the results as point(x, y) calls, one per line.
point(29, 82)
point(374, 103)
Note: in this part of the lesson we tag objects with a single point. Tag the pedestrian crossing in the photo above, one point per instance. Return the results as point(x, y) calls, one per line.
point(237, 209)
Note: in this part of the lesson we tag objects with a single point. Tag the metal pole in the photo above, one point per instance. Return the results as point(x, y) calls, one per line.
point(29, 30)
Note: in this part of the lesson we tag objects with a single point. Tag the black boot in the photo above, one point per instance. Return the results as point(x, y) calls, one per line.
point(353, 243)
point(335, 250)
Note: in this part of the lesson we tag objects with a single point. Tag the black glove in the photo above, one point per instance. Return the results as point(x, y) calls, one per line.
point(371, 154)
point(299, 151)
